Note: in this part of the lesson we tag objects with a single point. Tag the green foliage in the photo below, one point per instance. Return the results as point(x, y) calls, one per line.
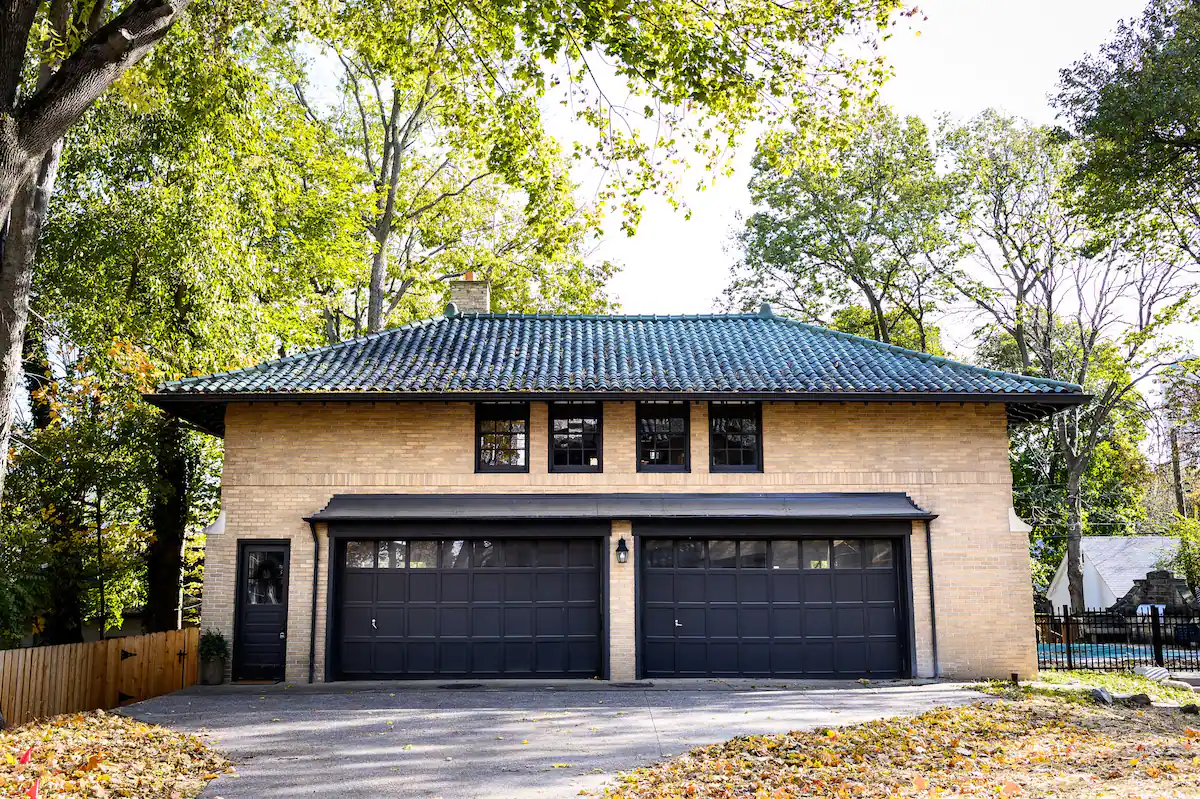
point(1135, 106)
point(213, 645)
point(847, 226)
point(1185, 561)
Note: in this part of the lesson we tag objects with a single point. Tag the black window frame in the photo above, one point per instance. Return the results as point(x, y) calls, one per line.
point(496, 411)
point(575, 410)
point(646, 410)
point(731, 409)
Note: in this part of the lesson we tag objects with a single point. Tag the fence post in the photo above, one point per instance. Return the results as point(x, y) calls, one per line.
point(1156, 635)
point(1067, 637)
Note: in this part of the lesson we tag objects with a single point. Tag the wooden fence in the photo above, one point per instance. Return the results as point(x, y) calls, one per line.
point(48, 680)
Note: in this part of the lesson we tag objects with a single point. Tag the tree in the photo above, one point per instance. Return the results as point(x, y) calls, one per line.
point(849, 225)
point(706, 69)
point(1093, 308)
point(79, 55)
point(1135, 106)
point(1114, 487)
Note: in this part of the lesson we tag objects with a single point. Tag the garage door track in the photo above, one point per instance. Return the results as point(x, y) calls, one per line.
point(497, 740)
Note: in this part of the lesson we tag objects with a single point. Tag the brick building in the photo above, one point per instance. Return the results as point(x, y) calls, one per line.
point(500, 495)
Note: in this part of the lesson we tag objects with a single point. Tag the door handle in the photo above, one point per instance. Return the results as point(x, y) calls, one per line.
point(677, 624)
point(373, 627)
point(281, 635)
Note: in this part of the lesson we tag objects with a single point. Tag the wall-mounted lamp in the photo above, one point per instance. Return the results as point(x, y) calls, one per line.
point(622, 551)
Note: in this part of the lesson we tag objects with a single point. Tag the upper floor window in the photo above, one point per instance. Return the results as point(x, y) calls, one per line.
point(576, 437)
point(662, 437)
point(735, 436)
point(502, 437)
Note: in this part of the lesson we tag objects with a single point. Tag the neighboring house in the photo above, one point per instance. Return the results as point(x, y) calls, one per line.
point(502, 495)
point(1110, 565)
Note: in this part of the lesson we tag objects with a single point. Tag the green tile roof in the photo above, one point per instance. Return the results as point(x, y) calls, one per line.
point(541, 354)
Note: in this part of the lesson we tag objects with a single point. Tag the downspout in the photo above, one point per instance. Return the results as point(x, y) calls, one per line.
point(937, 668)
point(312, 626)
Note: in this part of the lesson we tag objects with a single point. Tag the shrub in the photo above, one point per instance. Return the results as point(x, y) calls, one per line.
point(213, 646)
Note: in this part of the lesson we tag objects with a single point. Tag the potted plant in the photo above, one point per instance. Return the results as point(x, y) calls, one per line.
point(214, 651)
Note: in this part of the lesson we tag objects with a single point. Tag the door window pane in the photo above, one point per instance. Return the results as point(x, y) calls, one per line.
point(399, 554)
point(785, 554)
point(359, 554)
point(752, 554)
point(879, 554)
point(264, 578)
point(689, 554)
point(658, 553)
point(722, 554)
point(456, 554)
point(816, 554)
point(847, 554)
point(385, 559)
point(422, 554)
point(487, 553)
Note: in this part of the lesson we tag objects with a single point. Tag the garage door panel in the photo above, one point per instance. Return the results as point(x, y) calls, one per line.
point(882, 621)
point(752, 587)
point(423, 586)
point(754, 622)
point(583, 621)
point(518, 621)
point(848, 587)
point(454, 622)
point(851, 657)
point(692, 621)
point(690, 586)
point(787, 622)
point(487, 657)
point(850, 622)
point(456, 607)
point(881, 586)
point(487, 586)
point(785, 587)
point(659, 621)
point(755, 659)
point(518, 657)
point(551, 621)
point(485, 622)
point(759, 607)
point(357, 622)
point(519, 587)
point(551, 588)
point(389, 621)
point(356, 657)
point(359, 586)
point(818, 587)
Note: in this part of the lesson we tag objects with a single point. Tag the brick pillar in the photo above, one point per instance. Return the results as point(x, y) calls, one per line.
point(622, 635)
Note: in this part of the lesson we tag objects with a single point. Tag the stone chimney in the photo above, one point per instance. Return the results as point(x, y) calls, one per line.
point(470, 295)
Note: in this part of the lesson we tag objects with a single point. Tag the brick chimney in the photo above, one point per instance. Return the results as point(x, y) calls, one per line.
point(470, 295)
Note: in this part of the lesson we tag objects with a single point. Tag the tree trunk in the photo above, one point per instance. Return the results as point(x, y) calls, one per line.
point(26, 219)
point(1177, 476)
point(169, 513)
point(1075, 535)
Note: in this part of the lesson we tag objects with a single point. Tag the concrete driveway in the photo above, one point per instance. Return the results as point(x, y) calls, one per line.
point(498, 740)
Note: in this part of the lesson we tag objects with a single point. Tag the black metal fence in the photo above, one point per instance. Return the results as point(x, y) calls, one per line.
point(1101, 640)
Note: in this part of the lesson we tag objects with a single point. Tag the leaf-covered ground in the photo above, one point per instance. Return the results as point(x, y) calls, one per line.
point(1024, 745)
point(101, 754)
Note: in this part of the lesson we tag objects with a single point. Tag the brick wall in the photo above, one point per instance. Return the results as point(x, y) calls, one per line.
point(284, 461)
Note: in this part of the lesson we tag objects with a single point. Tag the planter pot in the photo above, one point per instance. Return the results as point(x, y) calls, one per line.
point(212, 672)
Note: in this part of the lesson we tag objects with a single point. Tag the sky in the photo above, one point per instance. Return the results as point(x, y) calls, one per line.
point(970, 55)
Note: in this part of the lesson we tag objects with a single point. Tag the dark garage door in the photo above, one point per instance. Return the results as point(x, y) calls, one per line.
point(469, 608)
point(783, 608)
